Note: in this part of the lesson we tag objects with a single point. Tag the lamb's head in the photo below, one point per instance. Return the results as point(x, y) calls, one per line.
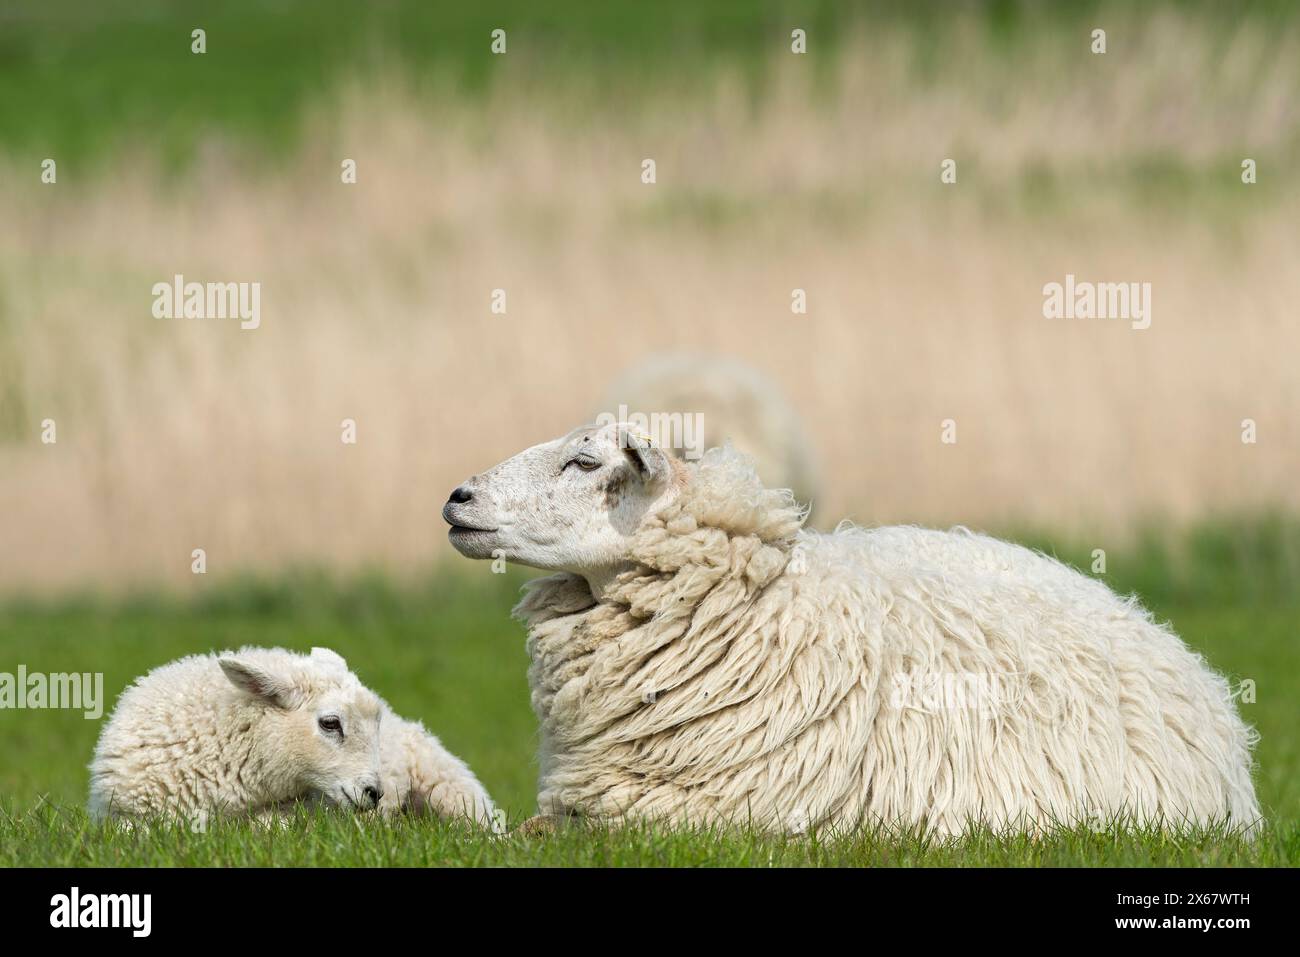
point(571, 504)
point(315, 726)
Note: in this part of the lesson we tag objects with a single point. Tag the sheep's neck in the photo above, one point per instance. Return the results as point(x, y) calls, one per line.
point(599, 580)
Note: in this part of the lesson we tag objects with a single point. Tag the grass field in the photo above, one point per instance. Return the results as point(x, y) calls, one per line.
point(445, 651)
point(84, 81)
point(776, 172)
point(50, 836)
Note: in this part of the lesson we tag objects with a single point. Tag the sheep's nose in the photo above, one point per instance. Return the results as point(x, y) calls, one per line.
point(373, 794)
point(461, 494)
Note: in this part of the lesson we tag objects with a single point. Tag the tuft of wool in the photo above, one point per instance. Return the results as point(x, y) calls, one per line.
point(748, 670)
point(421, 777)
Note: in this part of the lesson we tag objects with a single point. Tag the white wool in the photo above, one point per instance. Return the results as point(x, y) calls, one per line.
point(420, 776)
point(749, 670)
point(184, 741)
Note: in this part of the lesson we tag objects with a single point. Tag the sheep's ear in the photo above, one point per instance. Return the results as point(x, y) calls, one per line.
point(329, 656)
point(258, 682)
point(649, 461)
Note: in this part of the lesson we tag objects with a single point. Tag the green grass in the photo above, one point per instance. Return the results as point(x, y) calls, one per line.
point(446, 651)
point(55, 836)
point(80, 79)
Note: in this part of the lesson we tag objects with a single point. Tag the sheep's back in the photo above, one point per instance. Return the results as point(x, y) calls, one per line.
point(164, 728)
point(815, 699)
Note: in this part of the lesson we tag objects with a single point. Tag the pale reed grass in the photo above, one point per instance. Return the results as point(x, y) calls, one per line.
point(924, 300)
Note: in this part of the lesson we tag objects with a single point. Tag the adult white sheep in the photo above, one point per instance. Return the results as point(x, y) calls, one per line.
point(734, 403)
point(254, 731)
point(700, 657)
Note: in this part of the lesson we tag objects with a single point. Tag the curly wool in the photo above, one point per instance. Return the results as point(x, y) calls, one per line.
point(183, 741)
point(747, 670)
point(419, 776)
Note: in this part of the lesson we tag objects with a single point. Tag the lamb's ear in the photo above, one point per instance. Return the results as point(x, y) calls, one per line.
point(649, 461)
point(258, 682)
point(329, 656)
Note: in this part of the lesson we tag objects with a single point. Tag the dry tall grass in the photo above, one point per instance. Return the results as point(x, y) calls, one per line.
point(924, 300)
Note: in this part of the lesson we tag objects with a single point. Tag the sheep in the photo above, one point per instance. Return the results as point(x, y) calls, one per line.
point(734, 403)
point(699, 657)
point(419, 776)
point(254, 731)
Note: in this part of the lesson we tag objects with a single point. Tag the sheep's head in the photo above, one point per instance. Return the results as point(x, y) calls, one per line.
point(317, 730)
point(571, 504)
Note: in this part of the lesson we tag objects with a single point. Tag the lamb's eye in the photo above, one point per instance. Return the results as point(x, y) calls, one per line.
point(331, 725)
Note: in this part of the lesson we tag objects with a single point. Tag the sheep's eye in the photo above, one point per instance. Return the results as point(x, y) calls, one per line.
point(586, 464)
point(331, 725)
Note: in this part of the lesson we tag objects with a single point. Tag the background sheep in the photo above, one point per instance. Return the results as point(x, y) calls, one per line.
point(735, 402)
point(701, 657)
point(256, 730)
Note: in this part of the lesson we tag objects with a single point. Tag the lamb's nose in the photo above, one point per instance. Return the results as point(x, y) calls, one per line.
point(461, 494)
point(373, 794)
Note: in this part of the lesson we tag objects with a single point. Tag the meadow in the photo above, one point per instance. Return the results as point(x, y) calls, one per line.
point(522, 172)
point(445, 651)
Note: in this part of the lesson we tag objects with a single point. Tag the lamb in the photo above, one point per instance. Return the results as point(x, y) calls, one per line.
point(419, 776)
point(700, 657)
point(735, 403)
point(254, 731)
